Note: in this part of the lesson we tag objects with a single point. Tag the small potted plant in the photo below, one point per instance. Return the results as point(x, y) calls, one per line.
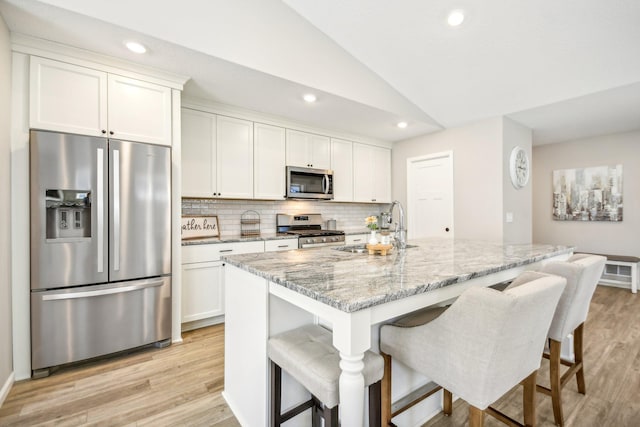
point(372, 224)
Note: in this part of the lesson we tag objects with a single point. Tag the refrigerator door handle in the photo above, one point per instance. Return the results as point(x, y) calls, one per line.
point(100, 292)
point(100, 208)
point(116, 210)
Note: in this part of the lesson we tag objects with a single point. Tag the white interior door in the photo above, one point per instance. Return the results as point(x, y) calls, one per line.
point(430, 196)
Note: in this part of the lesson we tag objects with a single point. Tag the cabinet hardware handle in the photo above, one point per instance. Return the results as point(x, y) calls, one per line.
point(110, 132)
point(103, 131)
point(226, 250)
point(357, 240)
point(283, 246)
point(446, 229)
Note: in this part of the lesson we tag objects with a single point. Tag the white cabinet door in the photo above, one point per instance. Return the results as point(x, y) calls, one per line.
point(320, 152)
point(139, 111)
point(67, 98)
point(342, 166)
point(381, 159)
point(198, 154)
point(269, 162)
point(202, 290)
point(74, 99)
point(371, 174)
point(308, 150)
point(234, 155)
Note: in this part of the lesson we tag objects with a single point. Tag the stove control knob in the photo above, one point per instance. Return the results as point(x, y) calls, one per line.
point(309, 240)
point(324, 239)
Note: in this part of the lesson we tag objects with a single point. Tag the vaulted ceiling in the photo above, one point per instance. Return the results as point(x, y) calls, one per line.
point(567, 69)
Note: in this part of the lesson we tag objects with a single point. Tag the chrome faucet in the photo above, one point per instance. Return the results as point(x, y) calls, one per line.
point(400, 232)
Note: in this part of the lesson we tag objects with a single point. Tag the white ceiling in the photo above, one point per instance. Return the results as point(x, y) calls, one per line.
point(567, 69)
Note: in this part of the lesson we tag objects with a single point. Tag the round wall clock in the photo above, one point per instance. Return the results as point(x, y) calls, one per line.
point(519, 167)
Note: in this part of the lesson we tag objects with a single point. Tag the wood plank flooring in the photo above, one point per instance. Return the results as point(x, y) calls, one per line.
point(612, 372)
point(181, 385)
point(177, 386)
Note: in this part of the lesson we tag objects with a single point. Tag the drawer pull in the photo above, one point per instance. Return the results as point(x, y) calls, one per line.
point(226, 250)
point(283, 246)
point(357, 240)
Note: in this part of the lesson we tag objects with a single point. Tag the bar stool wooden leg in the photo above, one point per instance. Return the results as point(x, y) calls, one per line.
point(556, 381)
point(447, 402)
point(577, 348)
point(386, 391)
point(276, 385)
point(375, 411)
point(331, 416)
point(476, 417)
point(529, 399)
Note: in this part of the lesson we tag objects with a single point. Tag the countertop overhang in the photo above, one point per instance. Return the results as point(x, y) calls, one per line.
point(351, 282)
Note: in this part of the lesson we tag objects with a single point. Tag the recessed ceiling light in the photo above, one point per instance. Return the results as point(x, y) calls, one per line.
point(136, 47)
point(402, 125)
point(456, 17)
point(309, 97)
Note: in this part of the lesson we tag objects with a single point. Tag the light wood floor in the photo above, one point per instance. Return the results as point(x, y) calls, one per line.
point(612, 372)
point(181, 385)
point(176, 386)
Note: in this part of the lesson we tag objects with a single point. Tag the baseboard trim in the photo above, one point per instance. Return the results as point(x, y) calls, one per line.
point(6, 388)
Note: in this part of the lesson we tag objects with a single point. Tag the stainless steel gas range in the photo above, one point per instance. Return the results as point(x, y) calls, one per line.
point(308, 228)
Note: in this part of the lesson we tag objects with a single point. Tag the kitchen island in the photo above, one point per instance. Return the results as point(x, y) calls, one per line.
point(351, 292)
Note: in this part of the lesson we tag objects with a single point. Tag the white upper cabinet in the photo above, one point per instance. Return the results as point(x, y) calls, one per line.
point(308, 150)
point(75, 99)
point(342, 166)
point(371, 174)
point(269, 162)
point(217, 156)
point(139, 111)
point(198, 154)
point(234, 154)
point(67, 98)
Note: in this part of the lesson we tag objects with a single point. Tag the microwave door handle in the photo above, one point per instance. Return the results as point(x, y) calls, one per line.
point(325, 184)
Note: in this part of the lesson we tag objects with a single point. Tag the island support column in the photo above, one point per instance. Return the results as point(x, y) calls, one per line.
point(352, 337)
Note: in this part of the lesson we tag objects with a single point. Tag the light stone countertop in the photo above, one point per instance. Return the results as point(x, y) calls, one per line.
point(262, 236)
point(355, 281)
point(237, 238)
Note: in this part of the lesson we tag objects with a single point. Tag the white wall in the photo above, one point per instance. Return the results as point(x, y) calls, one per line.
point(6, 345)
point(477, 174)
point(619, 238)
point(516, 201)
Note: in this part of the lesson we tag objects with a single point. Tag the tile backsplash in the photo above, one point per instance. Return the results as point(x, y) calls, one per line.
point(348, 216)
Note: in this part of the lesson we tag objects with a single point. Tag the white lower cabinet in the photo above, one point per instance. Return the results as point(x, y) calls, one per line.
point(203, 281)
point(280, 245)
point(356, 239)
point(202, 290)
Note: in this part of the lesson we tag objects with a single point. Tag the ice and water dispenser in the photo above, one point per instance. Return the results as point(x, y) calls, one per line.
point(68, 214)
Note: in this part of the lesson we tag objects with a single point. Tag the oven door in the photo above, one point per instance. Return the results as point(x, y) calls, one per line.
point(308, 183)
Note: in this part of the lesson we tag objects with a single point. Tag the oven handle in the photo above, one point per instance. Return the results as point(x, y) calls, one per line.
point(317, 245)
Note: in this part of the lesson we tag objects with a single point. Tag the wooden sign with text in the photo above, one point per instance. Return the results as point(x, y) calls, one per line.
point(199, 227)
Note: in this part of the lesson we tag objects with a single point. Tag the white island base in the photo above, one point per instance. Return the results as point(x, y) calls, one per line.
point(266, 295)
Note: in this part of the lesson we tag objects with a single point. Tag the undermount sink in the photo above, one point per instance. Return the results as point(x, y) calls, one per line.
point(356, 249)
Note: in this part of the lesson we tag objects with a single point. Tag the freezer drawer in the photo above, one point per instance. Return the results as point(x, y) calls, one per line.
point(84, 322)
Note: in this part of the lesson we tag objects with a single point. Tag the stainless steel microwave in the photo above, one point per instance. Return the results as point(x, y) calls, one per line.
point(308, 183)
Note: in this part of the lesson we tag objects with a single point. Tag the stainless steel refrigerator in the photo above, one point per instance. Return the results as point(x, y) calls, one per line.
point(100, 247)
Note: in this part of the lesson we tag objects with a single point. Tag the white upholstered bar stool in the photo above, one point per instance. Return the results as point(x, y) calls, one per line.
point(582, 271)
point(308, 355)
point(482, 346)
